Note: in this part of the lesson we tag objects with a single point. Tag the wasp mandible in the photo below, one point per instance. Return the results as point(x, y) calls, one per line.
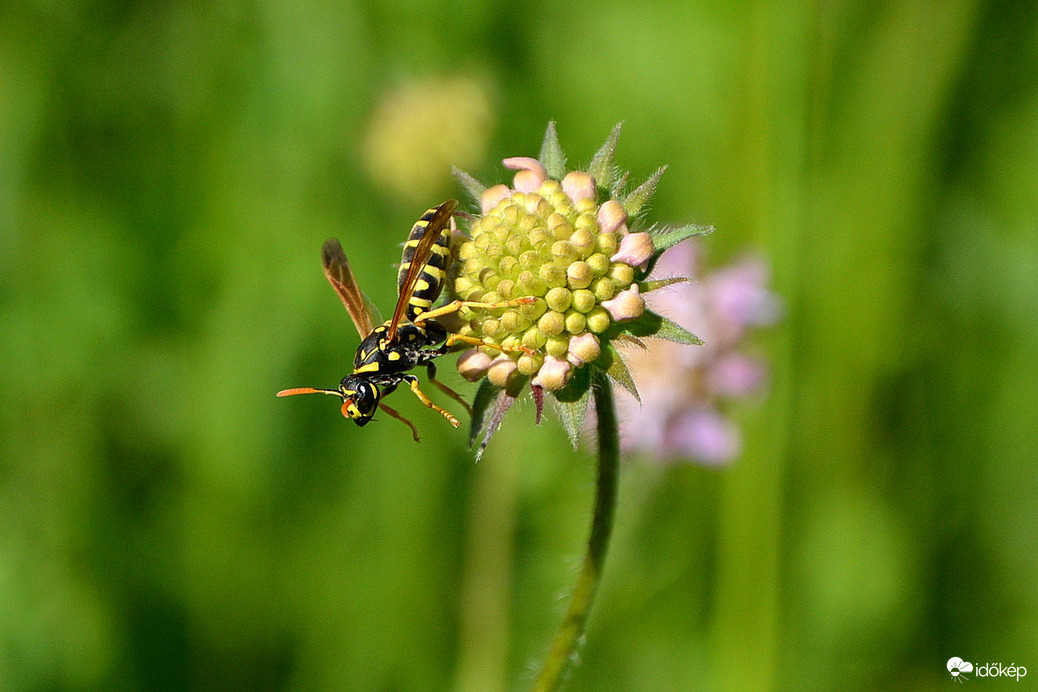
point(412, 337)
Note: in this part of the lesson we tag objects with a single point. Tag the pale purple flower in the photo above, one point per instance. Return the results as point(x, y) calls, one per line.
point(706, 436)
point(684, 390)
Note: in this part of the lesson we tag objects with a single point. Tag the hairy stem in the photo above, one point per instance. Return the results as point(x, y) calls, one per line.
point(564, 648)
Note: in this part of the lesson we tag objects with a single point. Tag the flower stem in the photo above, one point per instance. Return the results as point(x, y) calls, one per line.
point(564, 648)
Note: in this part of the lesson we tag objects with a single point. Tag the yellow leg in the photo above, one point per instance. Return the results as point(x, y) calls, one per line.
point(428, 402)
point(455, 338)
point(451, 393)
point(393, 412)
point(456, 305)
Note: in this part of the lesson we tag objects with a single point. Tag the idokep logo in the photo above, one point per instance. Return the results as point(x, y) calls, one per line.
point(958, 669)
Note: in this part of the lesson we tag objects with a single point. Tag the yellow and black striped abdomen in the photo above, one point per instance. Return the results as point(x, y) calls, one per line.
point(434, 273)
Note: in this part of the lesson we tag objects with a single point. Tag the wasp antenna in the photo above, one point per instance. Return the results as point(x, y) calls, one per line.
point(307, 390)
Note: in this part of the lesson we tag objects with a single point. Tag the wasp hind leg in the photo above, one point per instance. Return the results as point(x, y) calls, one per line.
point(431, 370)
point(396, 414)
point(413, 382)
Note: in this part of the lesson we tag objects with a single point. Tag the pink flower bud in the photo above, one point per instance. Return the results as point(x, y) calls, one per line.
point(531, 173)
point(626, 305)
point(636, 249)
point(492, 196)
point(578, 185)
point(501, 370)
point(553, 374)
point(583, 348)
point(473, 364)
point(612, 217)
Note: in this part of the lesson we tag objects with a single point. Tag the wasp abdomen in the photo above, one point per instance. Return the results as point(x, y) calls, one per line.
point(434, 273)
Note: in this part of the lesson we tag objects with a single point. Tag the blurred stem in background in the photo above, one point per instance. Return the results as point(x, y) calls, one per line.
point(765, 182)
point(486, 589)
point(864, 165)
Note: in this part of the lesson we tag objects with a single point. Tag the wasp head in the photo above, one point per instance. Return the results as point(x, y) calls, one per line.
point(360, 397)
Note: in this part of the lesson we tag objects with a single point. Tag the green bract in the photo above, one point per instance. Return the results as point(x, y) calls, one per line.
point(574, 241)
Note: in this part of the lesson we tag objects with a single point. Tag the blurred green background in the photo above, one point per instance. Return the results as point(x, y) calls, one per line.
point(168, 172)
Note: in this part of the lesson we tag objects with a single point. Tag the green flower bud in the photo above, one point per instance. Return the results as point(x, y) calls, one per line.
point(622, 274)
point(560, 226)
point(557, 346)
point(575, 322)
point(607, 243)
point(554, 242)
point(510, 321)
point(599, 264)
point(583, 300)
point(587, 222)
point(488, 275)
point(583, 242)
point(529, 365)
point(530, 260)
point(472, 268)
point(578, 275)
point(564, 252)
point(534, 339)
point(604, 288)
point(586, 205)
point(505, 289)
point(598, 320)
point(550, 187)
point(559, 299)
point(491, 327)
point(514, 245)
point(528, 224)
point(463, 286)
point(541, 238)
point(553, 275)
point(551, 323)
point(530, 284)
point(534, 310)
point(509, 267)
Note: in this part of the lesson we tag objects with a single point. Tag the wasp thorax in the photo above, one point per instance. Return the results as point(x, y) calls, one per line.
point(548, 239)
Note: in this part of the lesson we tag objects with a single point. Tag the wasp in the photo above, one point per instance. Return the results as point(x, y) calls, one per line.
point(413, 336)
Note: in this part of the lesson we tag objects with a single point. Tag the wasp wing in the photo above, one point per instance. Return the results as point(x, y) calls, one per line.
point(337, 268)
point(440, 218)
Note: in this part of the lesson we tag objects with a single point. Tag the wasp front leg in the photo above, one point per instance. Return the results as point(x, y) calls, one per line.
point(456, 305)
point(473, 341)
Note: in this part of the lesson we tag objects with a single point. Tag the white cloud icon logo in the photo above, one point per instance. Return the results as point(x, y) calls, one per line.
point(957, 667)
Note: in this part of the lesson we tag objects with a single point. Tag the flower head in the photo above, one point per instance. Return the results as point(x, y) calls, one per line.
point(683, 390)
point(573, 241)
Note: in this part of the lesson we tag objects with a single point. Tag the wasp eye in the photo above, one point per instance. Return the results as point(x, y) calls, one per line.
point(367, 398)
